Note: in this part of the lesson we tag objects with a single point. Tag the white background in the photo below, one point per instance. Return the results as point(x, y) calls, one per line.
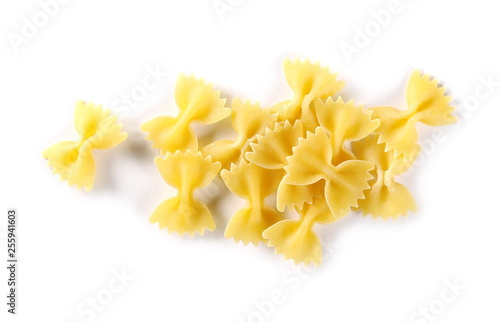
point(71, 242)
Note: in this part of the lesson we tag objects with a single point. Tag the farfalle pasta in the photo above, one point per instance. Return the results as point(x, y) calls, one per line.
point(252, 183)
point(322, 157)
point(198, 103)
point(427, 103)
point(73, 160)
point(185, 171)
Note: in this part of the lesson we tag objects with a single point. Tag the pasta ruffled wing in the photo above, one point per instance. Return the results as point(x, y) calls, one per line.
point(346, 185)
point(272, 149)
point(97, 127)
point(304, 173)
point(309, 159)
point(73, 164)
point(249, 119)
point(187, 170)
point(183, 216)
point(397, 130)
point(199, 101)
point(295, 196)
point(428, 99)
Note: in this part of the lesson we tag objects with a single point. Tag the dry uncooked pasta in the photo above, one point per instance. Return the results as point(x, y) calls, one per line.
point(183, 213)
point(73, 161)
point(198, 103)
point(321, 156)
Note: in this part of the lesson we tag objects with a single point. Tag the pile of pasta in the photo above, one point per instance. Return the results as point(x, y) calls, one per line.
point(323, 157)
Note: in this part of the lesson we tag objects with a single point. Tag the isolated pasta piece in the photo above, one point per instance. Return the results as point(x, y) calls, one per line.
point(252, 183)
point(344, 122)
point(271, 150)
point(248, 120)
point(296, 239)
point(308, 81)
point(198, 103)
point(185, 171)
point(386, 198)
point(311, 162)
point(73, 160)
point(426, 102)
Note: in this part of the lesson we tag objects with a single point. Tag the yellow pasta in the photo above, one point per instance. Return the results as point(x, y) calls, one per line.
point(311, 162)
point(198, 103)
point(322, 157)
point(386, 198)
point(185, 171)
point(296, 239)
point(73, 160)
point(248, 120)
point(252, 183)
point(427, 103)
point(344, 122)
point(271, 150)
point(295, 196)
point(309, 82)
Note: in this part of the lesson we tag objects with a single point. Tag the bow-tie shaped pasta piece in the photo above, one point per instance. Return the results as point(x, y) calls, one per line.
point(73, 161)
point(308, 82)
point(198, 103)
point(254, 184)
point(185, 171)
point(296, 239)
point(248, 120)
point(311, 163)
point(427, 103)
point(386, 198)
point(344, 122)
